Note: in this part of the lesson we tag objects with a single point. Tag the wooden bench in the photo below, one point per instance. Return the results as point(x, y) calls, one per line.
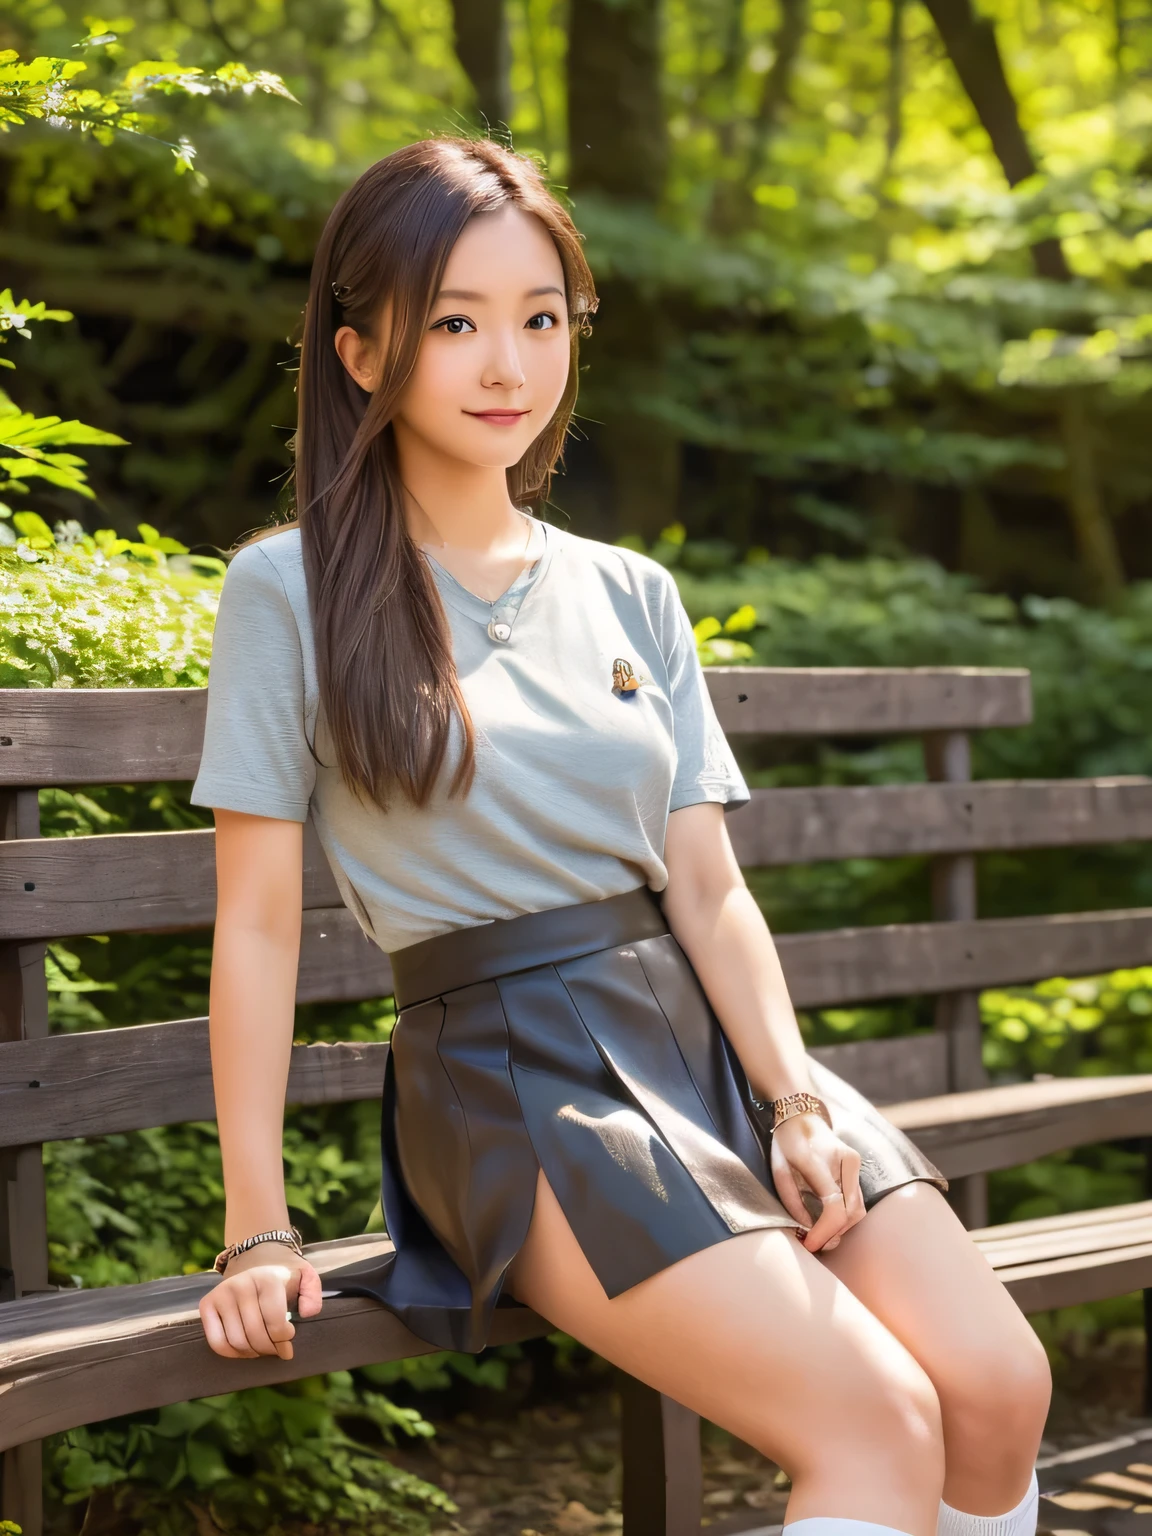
point(71, 1357)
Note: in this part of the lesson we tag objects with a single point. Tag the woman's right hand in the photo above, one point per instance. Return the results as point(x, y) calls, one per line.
point(246, 1314)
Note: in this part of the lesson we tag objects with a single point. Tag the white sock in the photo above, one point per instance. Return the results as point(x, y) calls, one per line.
point(821, 1525)
point(1020, 1521)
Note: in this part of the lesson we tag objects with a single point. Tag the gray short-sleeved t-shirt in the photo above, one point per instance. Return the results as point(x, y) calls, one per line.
point(574, 782)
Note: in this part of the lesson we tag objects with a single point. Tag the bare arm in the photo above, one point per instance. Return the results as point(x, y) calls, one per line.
point(716, 921)
point(255, 956)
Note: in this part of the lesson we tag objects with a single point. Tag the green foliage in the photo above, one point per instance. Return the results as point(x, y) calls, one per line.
point(852, 315)
point(134, 1207)
point(1090, 668)
point(45, 90)
point(257, 1461)
point(84, 610)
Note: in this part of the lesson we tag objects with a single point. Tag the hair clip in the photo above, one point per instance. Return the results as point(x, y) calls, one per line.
point(341, 292)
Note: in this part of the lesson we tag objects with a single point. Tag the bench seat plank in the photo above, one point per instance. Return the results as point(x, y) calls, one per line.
point(1002, 1127)
point(74, 1358)
point(1064, 1261)
point(77, 1357)
point(140, 735)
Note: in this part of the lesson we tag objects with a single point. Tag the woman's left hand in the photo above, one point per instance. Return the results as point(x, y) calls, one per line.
point(805, 1149)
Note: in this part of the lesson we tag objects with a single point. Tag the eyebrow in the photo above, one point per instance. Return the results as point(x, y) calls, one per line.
point(468, 293)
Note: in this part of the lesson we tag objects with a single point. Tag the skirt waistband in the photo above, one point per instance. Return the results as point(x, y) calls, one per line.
point(487, 950)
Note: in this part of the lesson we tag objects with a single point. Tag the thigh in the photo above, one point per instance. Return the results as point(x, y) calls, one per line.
point(912, 1264)
point(756, 1335)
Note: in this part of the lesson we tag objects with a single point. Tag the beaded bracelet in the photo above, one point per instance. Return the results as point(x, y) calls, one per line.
point(290, 1238)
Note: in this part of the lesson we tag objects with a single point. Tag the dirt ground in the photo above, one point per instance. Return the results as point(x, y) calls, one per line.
point(551, 1467)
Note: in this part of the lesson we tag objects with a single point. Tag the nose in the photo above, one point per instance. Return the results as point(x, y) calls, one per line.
point(503, 368)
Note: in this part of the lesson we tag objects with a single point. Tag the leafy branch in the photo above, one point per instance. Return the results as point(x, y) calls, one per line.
point(45, 90)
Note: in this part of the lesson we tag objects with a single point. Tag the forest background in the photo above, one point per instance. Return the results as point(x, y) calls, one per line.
point(870, 373)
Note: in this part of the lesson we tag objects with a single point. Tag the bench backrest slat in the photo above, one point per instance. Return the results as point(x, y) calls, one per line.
point(138, 735)
point(101, 1082)
point(156, 882)
point(98, 1082)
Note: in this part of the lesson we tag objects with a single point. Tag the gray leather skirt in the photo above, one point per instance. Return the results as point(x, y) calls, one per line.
point(577, 1040)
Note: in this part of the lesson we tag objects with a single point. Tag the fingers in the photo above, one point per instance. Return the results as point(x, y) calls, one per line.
point(833, 1174)
point(850, 1184)
point(788, 1190)
point(214, 1332)
point(227, 1311)
point(246, 1315)
point(272, 1300)
point(308, 1298)
point(827, 1229)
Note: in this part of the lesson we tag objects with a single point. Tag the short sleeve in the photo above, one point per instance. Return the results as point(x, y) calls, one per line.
point(256, 756)
point(705, 766)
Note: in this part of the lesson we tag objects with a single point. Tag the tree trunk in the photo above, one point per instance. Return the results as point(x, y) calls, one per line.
point(894, 130)
point(971, 44)
point(728, 207)
point(482, 48)
point(777, 90)
point(1093, 528)
point(617, 132)
point(618, 148)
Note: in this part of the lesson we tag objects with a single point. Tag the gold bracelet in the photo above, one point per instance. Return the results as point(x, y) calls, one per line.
point(792, 1104)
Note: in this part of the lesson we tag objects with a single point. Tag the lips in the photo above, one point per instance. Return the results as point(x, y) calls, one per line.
point(501, 416)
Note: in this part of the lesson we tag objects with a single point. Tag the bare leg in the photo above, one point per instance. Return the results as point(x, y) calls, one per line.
point(913, 1265)
point(756, 1335)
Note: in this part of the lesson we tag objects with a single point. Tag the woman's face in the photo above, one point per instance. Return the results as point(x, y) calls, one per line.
point(494, 359)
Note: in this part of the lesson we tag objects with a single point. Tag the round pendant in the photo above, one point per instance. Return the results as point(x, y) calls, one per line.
point(498, 630)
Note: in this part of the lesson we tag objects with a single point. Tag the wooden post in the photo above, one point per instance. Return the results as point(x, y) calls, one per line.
point(23, 1217)
point(663, 1483)
point(948, 759)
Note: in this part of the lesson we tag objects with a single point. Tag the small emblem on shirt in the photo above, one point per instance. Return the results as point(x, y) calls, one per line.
point(624, 679)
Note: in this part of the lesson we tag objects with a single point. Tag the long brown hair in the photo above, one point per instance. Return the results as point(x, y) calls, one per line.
point(388, 684)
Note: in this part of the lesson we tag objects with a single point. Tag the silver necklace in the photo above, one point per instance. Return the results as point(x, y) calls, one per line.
point(500, 628)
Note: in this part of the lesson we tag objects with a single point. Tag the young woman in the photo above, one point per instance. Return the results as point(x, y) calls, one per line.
point(597, 1102)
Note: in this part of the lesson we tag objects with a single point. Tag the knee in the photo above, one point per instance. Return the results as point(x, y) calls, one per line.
point(995, 1401)
point(905, 1422)
point(889, 1425)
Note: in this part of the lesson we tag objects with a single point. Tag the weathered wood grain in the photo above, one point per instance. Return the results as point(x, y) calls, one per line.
point(163, 881)
point(73, 1358)
point(867, 701)
point(1062, 1261)
point(338, 962)
point(131, 882)
point(888, 1071)
point(905, 959)
point(110, 1080)
point(801, 826)
point(100, 735)
point(136, 735)
point(1001, 1127)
